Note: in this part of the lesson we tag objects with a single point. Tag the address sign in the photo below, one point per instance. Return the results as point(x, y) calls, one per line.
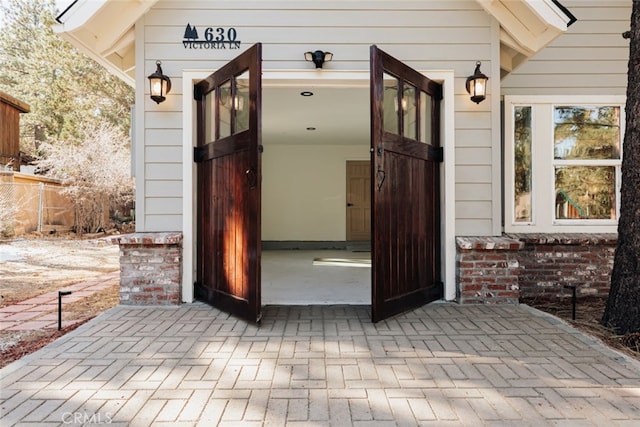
point(212, 38)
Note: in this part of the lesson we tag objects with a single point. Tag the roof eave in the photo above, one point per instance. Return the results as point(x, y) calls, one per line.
point(125, 74)
point(526, 27)
point(104, 30)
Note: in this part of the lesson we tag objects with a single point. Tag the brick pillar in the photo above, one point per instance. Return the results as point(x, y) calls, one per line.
point(150, 268)
point(487, 270)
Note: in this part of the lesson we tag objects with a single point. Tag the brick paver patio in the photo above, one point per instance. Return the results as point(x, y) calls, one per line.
point(443, 364)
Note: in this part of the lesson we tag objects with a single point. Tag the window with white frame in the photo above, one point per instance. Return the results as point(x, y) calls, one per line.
point(563, 157)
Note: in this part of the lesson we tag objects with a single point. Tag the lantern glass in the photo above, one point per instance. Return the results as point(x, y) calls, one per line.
point(159, 85)
point(480, 87)
point(477, 85)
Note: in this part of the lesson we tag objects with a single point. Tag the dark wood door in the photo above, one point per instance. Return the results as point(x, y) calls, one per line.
point(229, 177)
point(405, 153)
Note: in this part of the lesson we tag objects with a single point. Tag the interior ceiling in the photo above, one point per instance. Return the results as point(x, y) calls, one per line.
point(339, 113)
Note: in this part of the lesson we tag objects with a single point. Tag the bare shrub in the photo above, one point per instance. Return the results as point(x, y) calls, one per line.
point(96, 172)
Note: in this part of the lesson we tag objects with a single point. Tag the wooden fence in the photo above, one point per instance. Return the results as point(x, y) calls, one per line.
point(31, 203)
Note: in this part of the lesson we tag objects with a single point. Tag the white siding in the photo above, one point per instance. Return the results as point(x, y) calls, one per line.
point(428, 35)
point(591, 58)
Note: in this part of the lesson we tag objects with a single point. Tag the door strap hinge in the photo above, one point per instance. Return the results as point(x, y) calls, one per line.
point(197, 93)
point(438, 154)
point(198, 154)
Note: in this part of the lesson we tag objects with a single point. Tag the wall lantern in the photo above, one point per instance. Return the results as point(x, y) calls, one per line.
point(159, 85)
point(318, 57)
point(477, 85)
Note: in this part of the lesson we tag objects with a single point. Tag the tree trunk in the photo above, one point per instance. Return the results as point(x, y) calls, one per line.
point(622, 312)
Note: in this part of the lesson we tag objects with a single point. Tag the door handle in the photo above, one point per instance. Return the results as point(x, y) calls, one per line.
point(349, 204)
point(381, 177)
point(252, 178)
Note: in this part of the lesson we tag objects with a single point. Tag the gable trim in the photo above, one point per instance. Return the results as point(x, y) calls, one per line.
point(526, 27)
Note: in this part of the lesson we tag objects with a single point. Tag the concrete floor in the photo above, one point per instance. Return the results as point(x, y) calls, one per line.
point(290, 277)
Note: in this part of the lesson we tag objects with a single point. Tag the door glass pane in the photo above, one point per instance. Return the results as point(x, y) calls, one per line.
point(210, 116)
point(425, 118)
point(390, 121)
point(241, 102)
point(583, 132)
point(522, 164)
point(585, 192)
point(225, 109)
point(410, 112)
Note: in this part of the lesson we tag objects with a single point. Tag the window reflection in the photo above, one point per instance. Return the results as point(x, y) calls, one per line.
point(425, 118)
point(241, 103)
point(390, 121)
point(210, 116)
point(586, 132)
point(585, 192)
point(225, 109)
point(522, 164)
point(409, 112)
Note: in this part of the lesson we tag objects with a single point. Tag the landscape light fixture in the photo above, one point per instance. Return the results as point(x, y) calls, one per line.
point(477, 85)
point(318, 57)
point(159, 85)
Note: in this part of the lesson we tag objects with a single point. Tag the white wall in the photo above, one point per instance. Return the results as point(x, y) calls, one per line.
point(304, 191)
point(428, 35)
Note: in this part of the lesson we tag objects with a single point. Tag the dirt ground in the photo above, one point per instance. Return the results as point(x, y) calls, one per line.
point(589, 311)
point(30, 267)
point(33, 266)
